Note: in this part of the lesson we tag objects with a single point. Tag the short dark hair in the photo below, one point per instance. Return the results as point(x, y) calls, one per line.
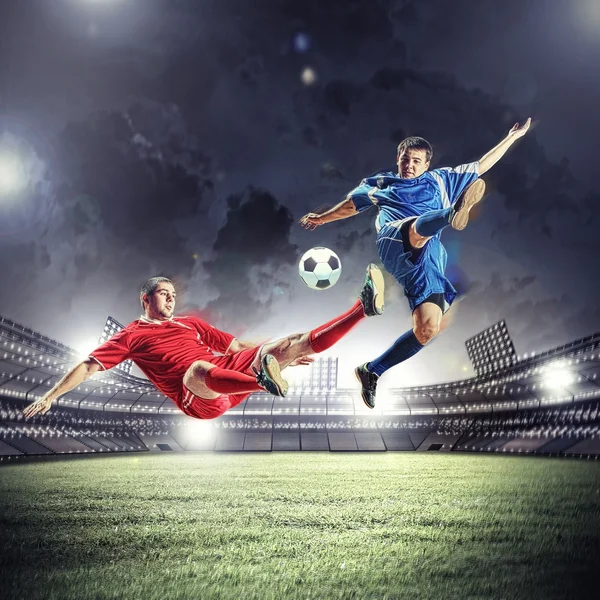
point(150, 285)
point(415, 143)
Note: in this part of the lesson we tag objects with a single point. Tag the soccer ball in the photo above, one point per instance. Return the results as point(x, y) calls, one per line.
point(320, 268)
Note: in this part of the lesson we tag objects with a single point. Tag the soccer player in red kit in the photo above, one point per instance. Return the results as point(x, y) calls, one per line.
point(178, 354)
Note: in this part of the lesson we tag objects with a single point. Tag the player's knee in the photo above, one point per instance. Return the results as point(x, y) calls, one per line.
point(426, 331)
point(416, 240)
point(198, 370)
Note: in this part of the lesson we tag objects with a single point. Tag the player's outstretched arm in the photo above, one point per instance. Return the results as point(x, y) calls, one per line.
point(71, 380)
point(496, 153)
point(343, 210)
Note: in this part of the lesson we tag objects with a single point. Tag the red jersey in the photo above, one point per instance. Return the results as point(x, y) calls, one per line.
point(164, 351)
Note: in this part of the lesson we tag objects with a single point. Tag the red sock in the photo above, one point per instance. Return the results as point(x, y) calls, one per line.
point(225, 381)
point(327, 335)
point(236, 399)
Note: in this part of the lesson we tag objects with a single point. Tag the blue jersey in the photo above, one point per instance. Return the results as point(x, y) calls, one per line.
point(398, 198)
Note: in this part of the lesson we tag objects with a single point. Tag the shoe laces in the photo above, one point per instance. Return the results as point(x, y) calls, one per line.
point(259, 376)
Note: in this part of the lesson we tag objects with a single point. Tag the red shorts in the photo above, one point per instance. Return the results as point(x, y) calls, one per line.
point(201, 408)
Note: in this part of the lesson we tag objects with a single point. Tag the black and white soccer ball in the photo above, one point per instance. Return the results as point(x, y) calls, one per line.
point(320, 268)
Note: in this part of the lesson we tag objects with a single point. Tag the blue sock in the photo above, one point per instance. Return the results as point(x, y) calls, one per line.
point(433, 221)
point(404, 347)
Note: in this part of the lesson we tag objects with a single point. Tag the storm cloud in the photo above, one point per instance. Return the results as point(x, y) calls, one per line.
point(185, 142)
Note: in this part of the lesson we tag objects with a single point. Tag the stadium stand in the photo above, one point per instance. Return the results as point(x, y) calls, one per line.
point(284, 440)
point(545, 405)
point(397, 441)
point(438, 441)
point(160, 442)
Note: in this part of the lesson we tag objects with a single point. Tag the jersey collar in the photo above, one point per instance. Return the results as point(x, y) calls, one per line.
point(145, 319)
point(412, 181)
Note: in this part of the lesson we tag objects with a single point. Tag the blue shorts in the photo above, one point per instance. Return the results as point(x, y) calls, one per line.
point(421, 278)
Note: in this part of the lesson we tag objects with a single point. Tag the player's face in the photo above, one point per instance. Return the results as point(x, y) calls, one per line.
point(161, 303)
point(412, 163)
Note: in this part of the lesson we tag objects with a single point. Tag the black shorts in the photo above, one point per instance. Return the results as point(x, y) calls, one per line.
point(415, 253)
point(437, 299)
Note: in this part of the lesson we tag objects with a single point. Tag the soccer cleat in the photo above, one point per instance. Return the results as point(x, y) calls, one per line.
point(269, 378)
point(368, 381)
point(371, 296)
point(468, 199)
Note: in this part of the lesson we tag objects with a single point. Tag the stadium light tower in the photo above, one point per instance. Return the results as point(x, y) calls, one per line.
point(491, 350)
point(111, 327)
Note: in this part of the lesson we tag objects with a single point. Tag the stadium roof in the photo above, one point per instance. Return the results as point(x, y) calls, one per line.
point(30, 364)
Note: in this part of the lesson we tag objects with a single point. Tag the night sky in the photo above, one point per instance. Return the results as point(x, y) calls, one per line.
point(187, 137)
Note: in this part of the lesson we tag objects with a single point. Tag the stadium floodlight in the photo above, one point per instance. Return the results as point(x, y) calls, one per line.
point(558, 378)
point(111, 327)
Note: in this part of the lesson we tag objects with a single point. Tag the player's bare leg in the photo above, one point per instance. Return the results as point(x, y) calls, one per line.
point(370, 303)
point(416, 240)
point(427, 318)
point(194, 380)
point(287, 349)
point(208, 381)
point(446, 321)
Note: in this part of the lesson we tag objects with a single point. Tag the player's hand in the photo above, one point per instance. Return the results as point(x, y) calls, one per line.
point(311, 221)
point(301, 360)
point(41, 406)
point(519, 131)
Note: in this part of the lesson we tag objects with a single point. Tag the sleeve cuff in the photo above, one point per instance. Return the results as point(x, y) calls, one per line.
point(95, 359)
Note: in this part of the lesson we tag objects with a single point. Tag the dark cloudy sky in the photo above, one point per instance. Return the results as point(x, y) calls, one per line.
point(179, 138)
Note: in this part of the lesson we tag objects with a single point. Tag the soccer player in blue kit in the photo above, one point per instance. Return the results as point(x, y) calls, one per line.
point(414, 206)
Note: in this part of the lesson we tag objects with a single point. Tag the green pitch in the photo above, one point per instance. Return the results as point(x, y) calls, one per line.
point(306, 525)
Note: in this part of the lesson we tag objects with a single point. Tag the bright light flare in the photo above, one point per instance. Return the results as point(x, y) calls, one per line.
point(12, 173)
point(301, 42)
point(558, 378)
point(84, 348)
point(591, 13)
point(199, 430)
point(308, 76)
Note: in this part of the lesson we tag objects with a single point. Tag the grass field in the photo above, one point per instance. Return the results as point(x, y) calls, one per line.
point(306, 525)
